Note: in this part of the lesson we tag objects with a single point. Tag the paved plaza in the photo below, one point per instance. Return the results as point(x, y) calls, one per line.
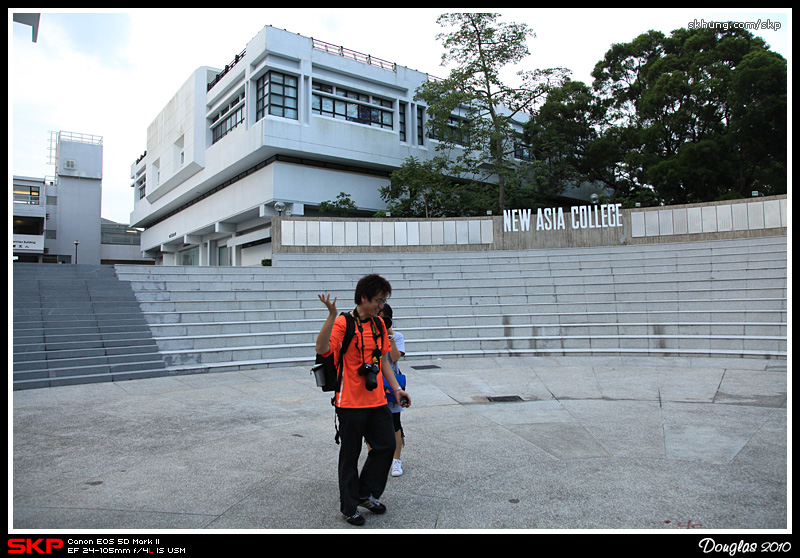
point(595, 443)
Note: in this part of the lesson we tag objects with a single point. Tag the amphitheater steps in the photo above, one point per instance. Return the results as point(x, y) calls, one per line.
point(75, 324)
point(721, 298)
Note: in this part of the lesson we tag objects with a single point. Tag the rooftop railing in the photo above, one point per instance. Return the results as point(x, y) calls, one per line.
point(353, 55)
point(80, 138)
point(324, 47)
point(228, 67)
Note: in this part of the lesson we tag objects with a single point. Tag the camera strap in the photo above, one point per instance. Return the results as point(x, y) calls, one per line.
point(375, 336)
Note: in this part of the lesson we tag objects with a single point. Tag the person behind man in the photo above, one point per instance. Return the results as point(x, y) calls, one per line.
point(360, 402)
point(398, 349)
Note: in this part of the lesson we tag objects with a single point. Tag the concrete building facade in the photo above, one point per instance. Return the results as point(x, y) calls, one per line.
point(57, 219)
point(290, 123)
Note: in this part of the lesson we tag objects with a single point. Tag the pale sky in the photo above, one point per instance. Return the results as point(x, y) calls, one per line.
point(110, 74)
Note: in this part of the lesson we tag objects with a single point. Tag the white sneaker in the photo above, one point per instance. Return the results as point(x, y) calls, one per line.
point(397, 468)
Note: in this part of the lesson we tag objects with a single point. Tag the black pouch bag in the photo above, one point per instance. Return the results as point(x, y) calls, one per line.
point(326, 373)
point(326, 370)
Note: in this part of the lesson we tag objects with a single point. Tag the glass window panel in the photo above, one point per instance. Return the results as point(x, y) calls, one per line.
point(274, 92)
point(365, 114)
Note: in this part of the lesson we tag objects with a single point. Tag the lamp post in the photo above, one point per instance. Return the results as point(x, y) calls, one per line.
point(76, 251)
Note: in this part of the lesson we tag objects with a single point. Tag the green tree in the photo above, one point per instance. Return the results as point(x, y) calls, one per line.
point(573, 143)
point(421, 188)
point(562, 133)
point(472, 112)
point(699, 114)
point(341, 207)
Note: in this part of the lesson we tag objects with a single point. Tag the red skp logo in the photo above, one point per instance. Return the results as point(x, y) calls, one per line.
point(29, 546)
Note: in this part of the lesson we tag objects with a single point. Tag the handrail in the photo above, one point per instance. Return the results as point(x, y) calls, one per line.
point(353, 55)
point(325, 47)
point(78, 137)
point(228, 67)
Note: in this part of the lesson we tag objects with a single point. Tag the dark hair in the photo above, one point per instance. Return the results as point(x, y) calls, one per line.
point(370, 286)
point(386, 311)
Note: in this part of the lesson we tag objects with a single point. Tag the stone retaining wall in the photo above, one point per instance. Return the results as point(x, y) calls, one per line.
point(526, 229)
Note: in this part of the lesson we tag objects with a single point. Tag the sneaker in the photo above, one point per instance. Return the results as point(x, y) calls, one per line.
point(355, 519)
point(372, 505)
point(397, 468)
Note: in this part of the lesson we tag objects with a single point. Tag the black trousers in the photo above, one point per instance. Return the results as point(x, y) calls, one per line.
point(356, 425)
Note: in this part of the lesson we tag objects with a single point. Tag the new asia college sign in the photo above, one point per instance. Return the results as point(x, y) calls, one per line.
point(555, 218)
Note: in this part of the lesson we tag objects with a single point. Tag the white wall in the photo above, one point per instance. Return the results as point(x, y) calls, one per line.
point(725, 217)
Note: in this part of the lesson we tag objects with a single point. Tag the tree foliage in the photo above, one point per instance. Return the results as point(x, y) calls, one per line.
point(471, 113)
point(342, 206)
point(562, 135)
point(698, 115)
point(703, 112)
point(422, 188)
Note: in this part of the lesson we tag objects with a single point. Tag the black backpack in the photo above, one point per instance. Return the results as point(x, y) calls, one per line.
point(327, 372)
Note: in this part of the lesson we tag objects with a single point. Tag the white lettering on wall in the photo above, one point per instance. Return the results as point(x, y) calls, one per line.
point(517, 220)
point(552, 218)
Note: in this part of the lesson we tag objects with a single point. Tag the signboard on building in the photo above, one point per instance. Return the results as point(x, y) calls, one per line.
point(555, 218)
point(28, 243)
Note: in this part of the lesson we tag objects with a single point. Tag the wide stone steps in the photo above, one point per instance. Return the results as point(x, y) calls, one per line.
point(706, 298)
point(78, 324)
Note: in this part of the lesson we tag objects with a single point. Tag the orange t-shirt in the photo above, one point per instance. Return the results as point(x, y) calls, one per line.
point(353, 393)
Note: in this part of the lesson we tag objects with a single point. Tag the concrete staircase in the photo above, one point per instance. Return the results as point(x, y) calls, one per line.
point(718, 298)
point(76, 324)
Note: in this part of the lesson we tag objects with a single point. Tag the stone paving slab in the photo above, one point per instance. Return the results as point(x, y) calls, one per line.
point(492, 443)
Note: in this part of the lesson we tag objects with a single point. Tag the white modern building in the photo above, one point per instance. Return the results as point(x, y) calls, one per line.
point(57, 219)
point(290, 123)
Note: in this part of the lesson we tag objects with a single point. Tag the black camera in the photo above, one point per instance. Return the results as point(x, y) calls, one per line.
point(370, 373)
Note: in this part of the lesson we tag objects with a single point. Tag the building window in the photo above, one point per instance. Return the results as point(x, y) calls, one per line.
point(190, 256)
point(523, 152)
point(224, 256)
point(28, 195)
point(420, 126)
point(402, 121)
point(140, 184)
point(119, 235)
point(336, 102)
point(456, 130)
point(276, 95)
point(227, 119)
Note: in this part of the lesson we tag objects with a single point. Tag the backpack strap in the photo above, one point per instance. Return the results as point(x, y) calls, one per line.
point(349, 332)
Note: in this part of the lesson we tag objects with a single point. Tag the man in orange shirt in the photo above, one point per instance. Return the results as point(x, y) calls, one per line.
point(360, 402)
